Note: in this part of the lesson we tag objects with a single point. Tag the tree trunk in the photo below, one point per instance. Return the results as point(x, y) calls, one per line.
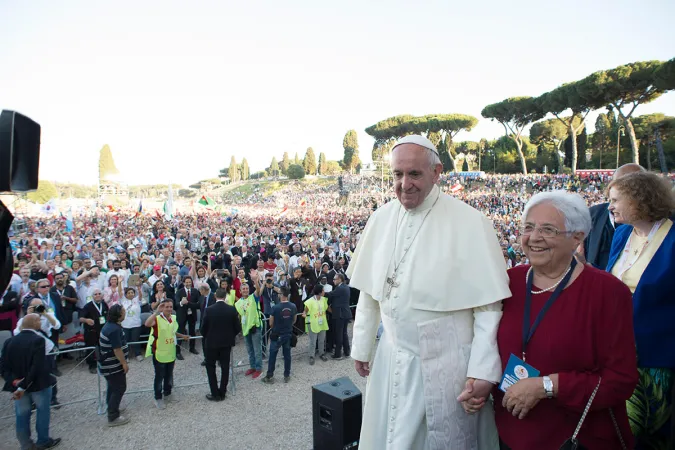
point(519, 147)
point(649, 157)
point(635, 147)
point(558, 157)
point(659, 148)
point(573, 137)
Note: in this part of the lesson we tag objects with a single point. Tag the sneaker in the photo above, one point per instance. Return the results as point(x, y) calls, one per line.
point(179, 357)
point(337, 358)
point(268, 379)
point(140, 358)
point(287, 379)
point(256, 374)
point(121, 420)
point(171, 399)
point(51, 443)
point(159, 403)
point(311, 361)
point(249, 372)
point(323, 358)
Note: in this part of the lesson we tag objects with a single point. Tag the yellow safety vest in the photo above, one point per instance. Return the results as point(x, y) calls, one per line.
point(316, 314)
point(248, 311)
point(231, 297)
point(165, 343)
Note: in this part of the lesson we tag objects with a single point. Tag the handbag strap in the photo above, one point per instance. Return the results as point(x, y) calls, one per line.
point(611, 413)
point(618, 430)
point(588, 407)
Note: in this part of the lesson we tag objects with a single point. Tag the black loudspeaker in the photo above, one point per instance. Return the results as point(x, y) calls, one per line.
point(337, 411)
point(19, 152)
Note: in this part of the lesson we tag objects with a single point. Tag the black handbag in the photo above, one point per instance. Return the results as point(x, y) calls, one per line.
point(573, 443)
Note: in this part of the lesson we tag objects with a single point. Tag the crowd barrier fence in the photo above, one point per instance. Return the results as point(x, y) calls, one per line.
point(101, 395)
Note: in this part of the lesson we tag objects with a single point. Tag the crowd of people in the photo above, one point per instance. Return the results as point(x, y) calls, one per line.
point(278, 273)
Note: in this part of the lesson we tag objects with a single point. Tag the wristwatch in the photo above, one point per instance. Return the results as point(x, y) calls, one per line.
point(548, 387)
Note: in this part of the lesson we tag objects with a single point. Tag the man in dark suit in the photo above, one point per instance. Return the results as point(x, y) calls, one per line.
point(599, 241)
point(220, 325)
point(26, 373)
point(186, 304)
point(65, 295)
point(206, 299)
point(338, 300)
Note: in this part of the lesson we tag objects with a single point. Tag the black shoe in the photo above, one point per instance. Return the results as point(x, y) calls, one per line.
point(92, 370)
point(50, 444)
point(55, 404)
point(268, 379)
point(213, 398)
point(223, 395)
point(179, 357)
point(337, 358)
point(203, 363)
point(194, 351)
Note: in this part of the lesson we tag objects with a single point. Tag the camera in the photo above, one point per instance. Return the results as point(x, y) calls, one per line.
point(40, 309)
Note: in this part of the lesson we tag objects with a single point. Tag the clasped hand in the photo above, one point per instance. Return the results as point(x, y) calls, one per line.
point(474, 395)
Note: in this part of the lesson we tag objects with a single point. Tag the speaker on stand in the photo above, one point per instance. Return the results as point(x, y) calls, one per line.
point(337, 411)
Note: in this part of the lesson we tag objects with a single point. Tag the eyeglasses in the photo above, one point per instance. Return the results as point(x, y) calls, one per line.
point(43, 287)
point(545, 231)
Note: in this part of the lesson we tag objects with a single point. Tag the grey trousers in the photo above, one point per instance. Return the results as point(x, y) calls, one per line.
point(312, 342)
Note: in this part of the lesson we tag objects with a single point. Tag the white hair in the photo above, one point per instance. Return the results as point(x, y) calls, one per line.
point(571, 206)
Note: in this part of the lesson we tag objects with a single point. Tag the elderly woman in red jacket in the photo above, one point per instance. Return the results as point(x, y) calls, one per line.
point(566, 330)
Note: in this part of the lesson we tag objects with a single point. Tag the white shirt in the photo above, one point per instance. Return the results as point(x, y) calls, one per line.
point(49, 345)
point(45, 326)
point(133, 309)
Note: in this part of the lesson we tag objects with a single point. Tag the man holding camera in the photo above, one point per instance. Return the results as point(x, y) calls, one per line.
point(47, 324)
point(26, 372)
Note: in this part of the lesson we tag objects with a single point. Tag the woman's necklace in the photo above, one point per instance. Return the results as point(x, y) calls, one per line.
point(552, 287)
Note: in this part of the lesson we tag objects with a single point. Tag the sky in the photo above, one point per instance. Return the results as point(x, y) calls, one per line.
point(177, 88)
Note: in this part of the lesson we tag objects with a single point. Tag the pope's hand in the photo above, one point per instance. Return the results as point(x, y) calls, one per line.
point(470, 397)
point(523, 396)
point(362, 367)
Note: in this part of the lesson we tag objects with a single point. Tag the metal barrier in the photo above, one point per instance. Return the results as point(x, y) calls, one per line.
point(100, 398)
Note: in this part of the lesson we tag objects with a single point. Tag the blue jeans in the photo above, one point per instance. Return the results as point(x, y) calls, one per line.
point(254, 347)
point(22, 409)
point(285, 343)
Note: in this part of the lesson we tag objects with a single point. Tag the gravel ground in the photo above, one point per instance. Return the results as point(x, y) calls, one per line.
point(279, 415)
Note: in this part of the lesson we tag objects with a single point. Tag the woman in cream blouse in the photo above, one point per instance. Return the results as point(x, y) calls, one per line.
point(643, 257)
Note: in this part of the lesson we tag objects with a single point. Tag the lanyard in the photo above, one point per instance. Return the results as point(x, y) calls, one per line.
point(624, 263)
point(99, 308)
point(528, 330)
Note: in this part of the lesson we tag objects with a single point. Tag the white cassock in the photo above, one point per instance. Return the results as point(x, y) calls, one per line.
point(440, 323)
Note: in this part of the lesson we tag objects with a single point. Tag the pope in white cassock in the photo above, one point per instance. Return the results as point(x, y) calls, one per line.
point(430, 268)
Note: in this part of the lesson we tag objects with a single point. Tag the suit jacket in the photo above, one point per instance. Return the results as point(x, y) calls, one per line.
point(599, 241)
point(205, 302)
point(338, 300)
point(193, 303)
point(64, 314)
point(23, 356)
point(220, 325)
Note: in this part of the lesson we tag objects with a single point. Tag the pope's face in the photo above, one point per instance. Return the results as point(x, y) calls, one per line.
point(414, 177)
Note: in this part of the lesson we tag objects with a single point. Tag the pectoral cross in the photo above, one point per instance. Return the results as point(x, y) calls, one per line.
point(391, 281)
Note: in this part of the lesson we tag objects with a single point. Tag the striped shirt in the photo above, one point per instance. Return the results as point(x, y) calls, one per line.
point(112, 337)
